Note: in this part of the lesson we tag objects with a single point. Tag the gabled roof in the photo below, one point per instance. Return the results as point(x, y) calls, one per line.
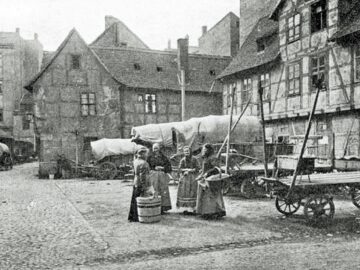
point(231, 15)
point(54, 55)
point(113, 28)
point(248, 57)
point(159, 70)
point(351, 23)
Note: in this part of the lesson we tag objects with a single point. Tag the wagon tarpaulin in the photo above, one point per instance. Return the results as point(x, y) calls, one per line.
point(196, 131)
point(109, 147)
point(4, 149)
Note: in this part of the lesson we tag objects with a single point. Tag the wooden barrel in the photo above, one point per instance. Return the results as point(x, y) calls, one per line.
point(149, 209)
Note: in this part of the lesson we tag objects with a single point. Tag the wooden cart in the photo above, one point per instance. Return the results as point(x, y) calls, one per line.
point(315, 193)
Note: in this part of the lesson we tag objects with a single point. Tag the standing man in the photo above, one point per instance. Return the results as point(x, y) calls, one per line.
point(141, 171)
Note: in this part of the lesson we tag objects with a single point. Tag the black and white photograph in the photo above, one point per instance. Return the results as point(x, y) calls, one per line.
point(179, 134)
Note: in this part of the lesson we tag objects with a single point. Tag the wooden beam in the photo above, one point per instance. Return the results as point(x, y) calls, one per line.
point(229, 129)
point(319, 87)
point(342, 84)
point(260, 91)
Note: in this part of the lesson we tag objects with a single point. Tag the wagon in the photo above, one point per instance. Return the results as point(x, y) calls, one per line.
point(113, 157)
point(6, 162)
point(314, 192)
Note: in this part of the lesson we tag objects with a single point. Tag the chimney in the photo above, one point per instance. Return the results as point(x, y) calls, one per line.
point(183, 56)
point(169, 44)
point(204, 29)
point(109, 20)
point(36, 36)
point(17, 30)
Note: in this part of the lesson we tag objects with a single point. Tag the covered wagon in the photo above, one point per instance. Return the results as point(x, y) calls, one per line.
point(198, 131)
point(113, 157)
point(6, 162)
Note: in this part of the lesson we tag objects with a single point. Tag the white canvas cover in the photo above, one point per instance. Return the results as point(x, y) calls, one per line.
point(108, 147)
point(4, 148)
point(196, 131)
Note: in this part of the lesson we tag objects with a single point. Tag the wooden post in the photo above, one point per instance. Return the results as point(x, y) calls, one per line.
point(229, 129)
point(182, 79)
point(306, 136)
point(232, 128)
point(260, 90)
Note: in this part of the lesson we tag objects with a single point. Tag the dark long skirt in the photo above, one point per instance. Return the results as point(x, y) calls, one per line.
point(133, 213)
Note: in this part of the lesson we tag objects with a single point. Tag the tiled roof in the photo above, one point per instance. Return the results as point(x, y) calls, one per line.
point(351, 23)
point(159, 70)
point(248, 57)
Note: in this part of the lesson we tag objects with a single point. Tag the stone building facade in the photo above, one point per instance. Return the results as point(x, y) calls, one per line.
point(85, 93)
point(20, 60)
point(286, 53)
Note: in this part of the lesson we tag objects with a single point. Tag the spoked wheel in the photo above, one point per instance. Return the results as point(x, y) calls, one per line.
point(319, 208)
point(287, 206)
point(355, 197)
point(107, 170)
point(7, 163)
point(248, 188)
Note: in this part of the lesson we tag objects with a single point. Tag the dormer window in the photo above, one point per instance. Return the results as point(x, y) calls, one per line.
point(318, 16)
point(159, 69)
point(260, 45)
point(293, 30)
point(137, 66)
point(212, 72)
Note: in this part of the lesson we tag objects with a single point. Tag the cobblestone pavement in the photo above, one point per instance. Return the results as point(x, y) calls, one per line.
point(82, 224)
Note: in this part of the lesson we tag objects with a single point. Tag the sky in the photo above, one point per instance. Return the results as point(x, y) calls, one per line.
point(154, 21)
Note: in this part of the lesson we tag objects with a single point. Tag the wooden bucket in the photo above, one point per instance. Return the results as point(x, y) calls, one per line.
point(149, 209)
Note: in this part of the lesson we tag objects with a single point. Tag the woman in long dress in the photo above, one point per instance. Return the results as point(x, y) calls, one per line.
point(141, 182)
point(160, 166)
point(210, 202)
point(187, 190)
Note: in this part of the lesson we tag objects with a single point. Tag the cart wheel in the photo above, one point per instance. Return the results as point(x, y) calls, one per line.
point(107, 170)
point(355, 197)
point(247, 188)
point(319, 208)
point(287, 206)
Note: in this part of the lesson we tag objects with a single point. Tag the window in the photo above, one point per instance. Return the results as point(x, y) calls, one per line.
point(318, 16)
point(140, 98)
point(260, 45)
point(137, 66)
point(317, 71)
point(88, 106)
point(159, 69)
point(294, 79)
point(1, 115)
point(26, 122)
point(150, 103)
point(75, 61)
point(212, 72)
point(265, 85)
point(123, 44)
point(293, 31)
point(246, 91)
point(357, 63)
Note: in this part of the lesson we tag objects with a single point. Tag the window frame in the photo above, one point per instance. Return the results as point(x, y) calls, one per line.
point(76, 57)
point(266, 94)
point(152, 102)
point(293, 28)
point(325, 71)
point(323, 16)
point(246, 91)
point(356, 60)
point(88, 103)
point(294, 78)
